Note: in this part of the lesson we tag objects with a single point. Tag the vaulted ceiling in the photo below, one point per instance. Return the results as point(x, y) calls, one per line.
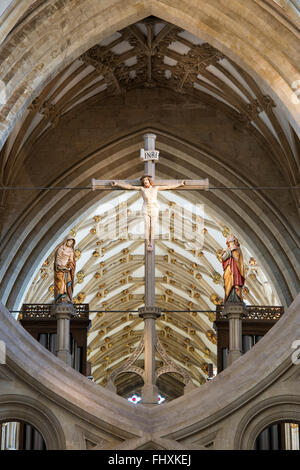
point(153, 53)
point(188, 278)
point(289, 9)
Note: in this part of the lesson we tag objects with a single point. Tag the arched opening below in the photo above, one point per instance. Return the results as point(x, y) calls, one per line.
point(20, 435)
point(128, 383)
point(170, 385)
point(279, 436)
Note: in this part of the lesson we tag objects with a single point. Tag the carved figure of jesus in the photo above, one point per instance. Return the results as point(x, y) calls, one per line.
point(151, 204)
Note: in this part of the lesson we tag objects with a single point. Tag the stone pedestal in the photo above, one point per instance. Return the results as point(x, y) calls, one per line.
point(63, 313)
point(149, 390)
point(234, 312)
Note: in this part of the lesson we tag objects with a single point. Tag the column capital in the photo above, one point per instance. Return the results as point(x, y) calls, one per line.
point(149, 312)
point(63, 310)
point(234, 309)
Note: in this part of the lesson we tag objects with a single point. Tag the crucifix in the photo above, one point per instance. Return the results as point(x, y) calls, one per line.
point(149, 186)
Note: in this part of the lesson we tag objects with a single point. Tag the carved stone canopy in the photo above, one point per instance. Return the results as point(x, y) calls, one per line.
point(154, 53)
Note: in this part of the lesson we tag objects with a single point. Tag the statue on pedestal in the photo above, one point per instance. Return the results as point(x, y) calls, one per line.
point(233, 266)
point(151, 204)
point(64, 271)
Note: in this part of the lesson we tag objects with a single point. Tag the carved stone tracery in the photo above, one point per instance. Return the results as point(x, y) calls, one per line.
point(169, 367)
point(190, 73)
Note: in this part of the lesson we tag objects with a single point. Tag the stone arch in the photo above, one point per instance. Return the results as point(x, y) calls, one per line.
point(68, 36)
point(179, 372)
point(135, 373)
point(267, 412)
point(234, 388)
point(39, 236)
point(16, 407)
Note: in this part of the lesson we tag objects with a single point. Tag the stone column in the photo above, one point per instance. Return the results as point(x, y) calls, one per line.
point(149, 390)
point(234, 312)
point(63, 313)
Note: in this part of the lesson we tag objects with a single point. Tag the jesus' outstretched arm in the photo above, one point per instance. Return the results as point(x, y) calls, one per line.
point(125, 186)
point(170, 186)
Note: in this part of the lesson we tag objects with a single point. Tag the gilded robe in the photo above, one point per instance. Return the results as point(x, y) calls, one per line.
point(234, 277)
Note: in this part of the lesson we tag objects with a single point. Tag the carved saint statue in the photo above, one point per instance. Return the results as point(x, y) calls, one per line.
point(151, 204)
point(234, 277)
point(64, 270)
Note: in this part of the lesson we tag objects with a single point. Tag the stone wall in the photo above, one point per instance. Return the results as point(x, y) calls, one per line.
point(229, 412)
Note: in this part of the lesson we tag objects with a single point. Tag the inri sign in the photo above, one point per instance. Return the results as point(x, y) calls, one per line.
point(147, 155)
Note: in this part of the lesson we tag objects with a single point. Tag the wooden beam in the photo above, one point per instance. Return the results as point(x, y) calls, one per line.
point(189, 184)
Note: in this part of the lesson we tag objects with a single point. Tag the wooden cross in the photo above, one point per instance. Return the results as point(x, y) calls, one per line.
point(149, 313)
